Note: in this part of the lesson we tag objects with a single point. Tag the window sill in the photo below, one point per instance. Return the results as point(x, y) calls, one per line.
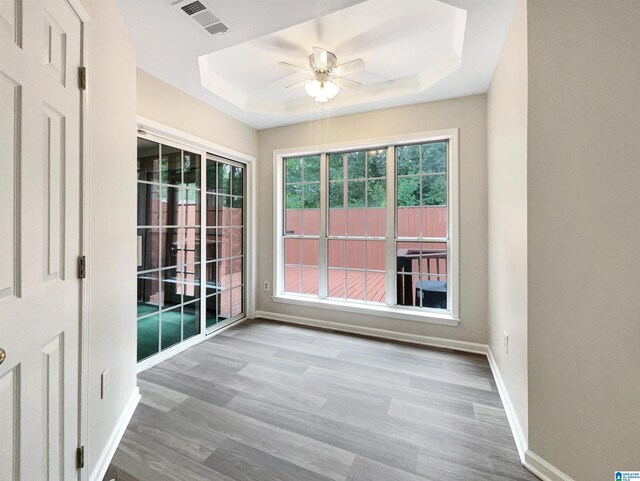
point(406, 314)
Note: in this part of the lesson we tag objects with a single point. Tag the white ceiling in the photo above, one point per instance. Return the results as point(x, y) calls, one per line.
point(414, 51)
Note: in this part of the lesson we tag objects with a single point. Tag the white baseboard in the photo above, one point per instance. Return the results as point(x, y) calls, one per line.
point(514, 422)
point(116, 435)
point(543, 469)
point(379, 333)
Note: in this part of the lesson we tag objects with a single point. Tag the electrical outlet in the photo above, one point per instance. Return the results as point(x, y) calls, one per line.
point(506, 342)
point(104, 383)
point(265, 285)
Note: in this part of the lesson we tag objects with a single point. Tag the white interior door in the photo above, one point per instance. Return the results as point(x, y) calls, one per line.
point(40, 106)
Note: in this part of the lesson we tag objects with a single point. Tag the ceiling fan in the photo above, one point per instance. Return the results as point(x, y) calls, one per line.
point(326, 77)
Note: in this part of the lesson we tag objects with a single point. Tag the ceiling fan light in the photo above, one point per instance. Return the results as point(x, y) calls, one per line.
point(330, 89)
point(313, 88)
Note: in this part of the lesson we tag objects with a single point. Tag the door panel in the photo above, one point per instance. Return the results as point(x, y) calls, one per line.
point(40, 48)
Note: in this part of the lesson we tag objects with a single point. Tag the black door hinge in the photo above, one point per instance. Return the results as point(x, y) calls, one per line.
point(82, 268)
point(80, 457)
point(82, 78)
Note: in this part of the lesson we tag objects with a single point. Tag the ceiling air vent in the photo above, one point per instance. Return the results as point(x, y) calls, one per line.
point(201, 14)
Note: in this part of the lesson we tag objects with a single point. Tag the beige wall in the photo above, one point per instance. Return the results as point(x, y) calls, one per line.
point(469, 115)
point(507, 204)
point(163, 103)
point(584, 235)
point(112, 261)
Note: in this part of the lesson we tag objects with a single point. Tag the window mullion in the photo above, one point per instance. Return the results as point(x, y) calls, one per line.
point(391, 278)
point(322, 247)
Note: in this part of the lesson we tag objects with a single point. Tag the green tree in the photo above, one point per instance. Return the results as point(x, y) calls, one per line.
point(408, 191)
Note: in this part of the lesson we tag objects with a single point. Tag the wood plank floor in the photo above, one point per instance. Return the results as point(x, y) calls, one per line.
point(270, 402)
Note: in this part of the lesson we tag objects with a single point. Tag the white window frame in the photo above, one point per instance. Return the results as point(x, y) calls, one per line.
point(450, 317)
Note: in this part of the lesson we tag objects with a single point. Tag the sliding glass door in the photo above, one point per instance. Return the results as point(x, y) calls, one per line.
point(184, 197)
point(225, 240)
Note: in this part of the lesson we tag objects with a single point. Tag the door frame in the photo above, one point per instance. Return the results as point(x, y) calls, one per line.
point(187, 141)
point(85, 235)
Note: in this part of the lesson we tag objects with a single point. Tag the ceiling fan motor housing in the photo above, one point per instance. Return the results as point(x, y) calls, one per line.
point(322, 66)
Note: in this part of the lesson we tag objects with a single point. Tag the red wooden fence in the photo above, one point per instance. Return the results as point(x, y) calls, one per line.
point(356, 254)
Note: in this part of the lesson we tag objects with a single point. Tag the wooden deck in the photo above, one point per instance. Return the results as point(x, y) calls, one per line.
point(342, 284)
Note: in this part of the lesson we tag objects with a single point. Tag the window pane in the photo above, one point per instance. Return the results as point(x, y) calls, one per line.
point(377, 163)
point(355, 165)
point(172, 247)
point(237, 208)
point(376, 222)
point(148, 336)
point(237, 180)
point(148, 241)
point(172, 213)
point(172, 281)
point(336, 195)
point(236, 302)
point(148, 204)
point(434, 158)
point(355, 223)
point(376, 287)
point(211, 249)
point(310, 248)
point(148, 165)
point(377, 193)
point(336, 253)
point(171, 327)
point(356, 196)
point(225, 306)
point(434, 190)
point(336, 283)
point(408, 221)
point(337, 222)
point(237, 242)
point(237, 273)
point(293, 196)
point(408, 158)
point(224, 178)
point(422, 274)
point(356, 285)
point(224, 274)
point(191, 169)
point(408, 191)
point(190, 206)
point(212, 217)
point(434, 221)
point(311, 169)
point(191, 283)
point(191, 319)
point(293, 170)
point(292, 265)
point(292, 251)
point(212, 177)
point(192, 245)
point(376, 256)
point(355, 254)
point(224, 243)
point(171, 165)
point(225, 214)
point(212, 312)
point(148, 293)
point(311, 196)
point(336, 167)
point(292, 278)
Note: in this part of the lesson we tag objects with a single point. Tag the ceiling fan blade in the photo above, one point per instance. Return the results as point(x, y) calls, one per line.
point(320, 57)
point(297, 84)
point(345, 83)
point(294, 67)
point(350, 67)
